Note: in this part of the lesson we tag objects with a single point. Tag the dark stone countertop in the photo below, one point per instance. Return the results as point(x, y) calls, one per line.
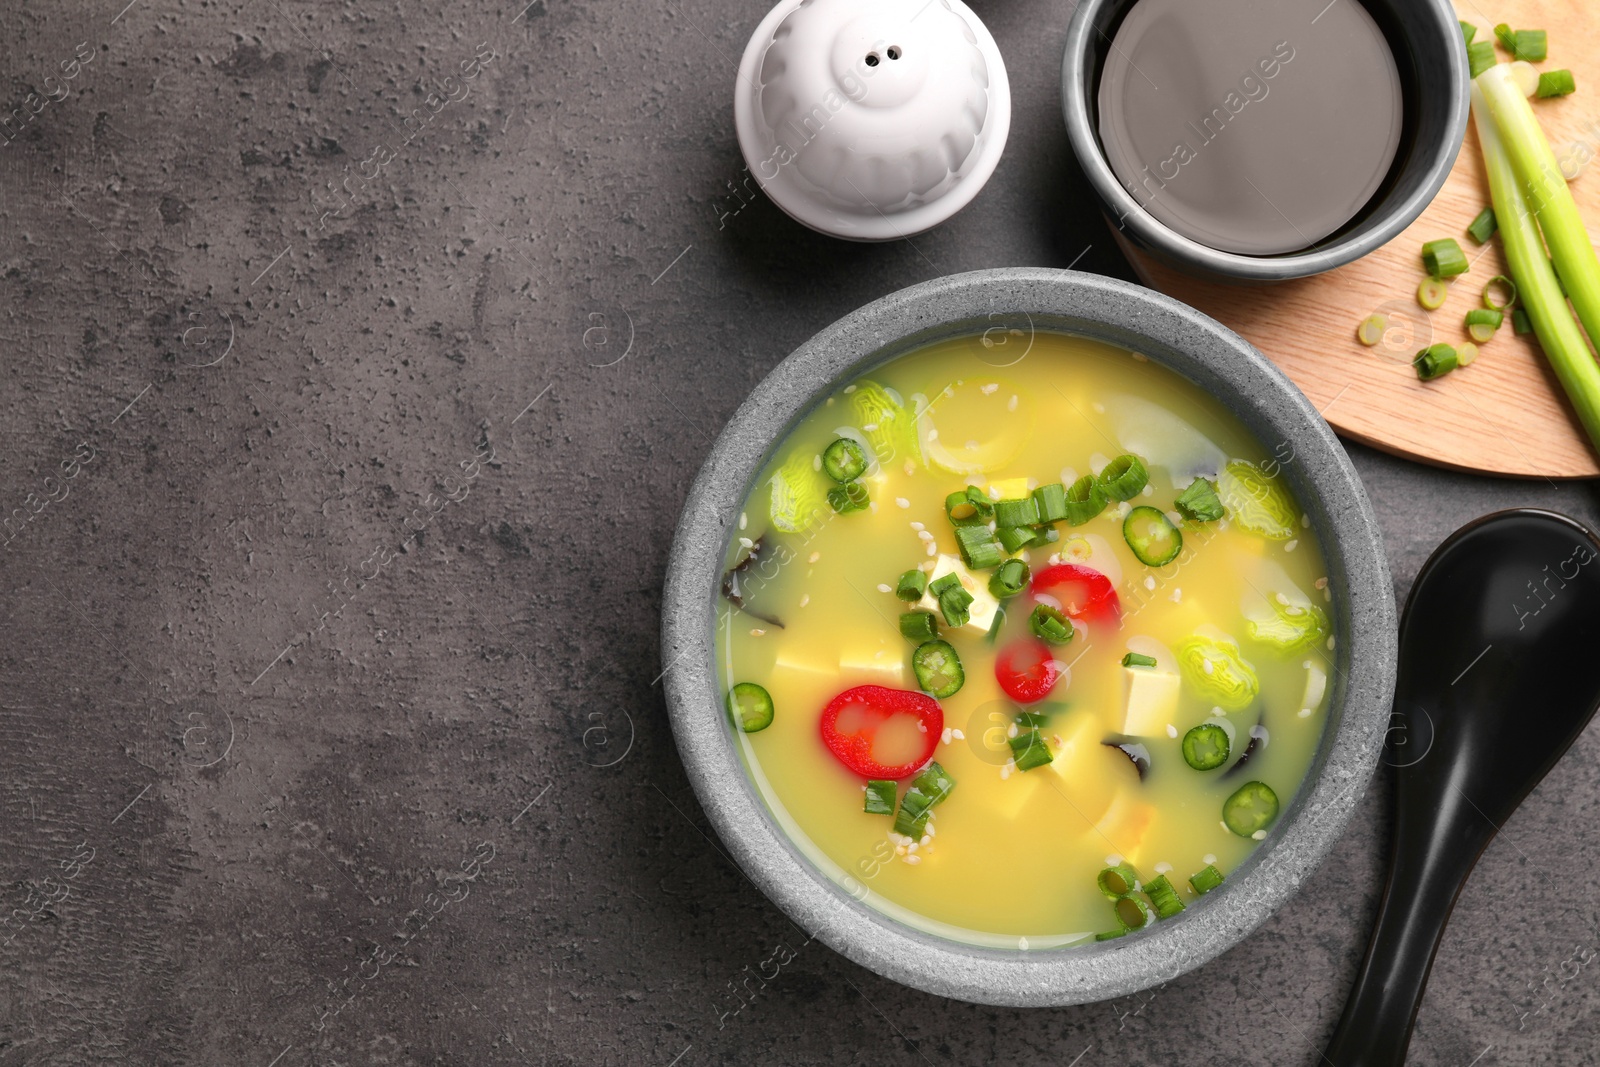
point(340, 523)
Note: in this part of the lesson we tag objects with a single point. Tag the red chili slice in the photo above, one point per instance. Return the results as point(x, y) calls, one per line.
point(1082, 592)
point(870, 724)
point(1027, 671)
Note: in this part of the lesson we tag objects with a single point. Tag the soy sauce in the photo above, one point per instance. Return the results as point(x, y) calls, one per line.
point(1251, 126)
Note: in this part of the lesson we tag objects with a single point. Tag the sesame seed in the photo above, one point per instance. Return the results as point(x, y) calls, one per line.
point(1321, 583)
point(913, 860)
point(814, 557)
point(1207, 666)
point(933, 435)
point(1163, 868)
point(1148, 490)
point(924, 535)
point(756, 631)
point(926, 841)
point(1259, 835)
point(1011, 405)
point(958, 735)
point(902, 501)
point(816, 462)
point(883, 588)
point(744, 520)
point(870, 427)
point(917, 526)
point(927, 565)
point(1177, 596)
point(1172, 731)
point(1022, 943)
point(945, 737)
point(1114, 859)
point(1305, 713)
point(933, 549)
point(1208, 858)
point(899, 850)
point(910, 468)
point(849, 389)
point(1330, 644)
point(1149, 581)
point(1291, 545)
point(746, 542)
point(1011, 731)
point(1305, 521)
point(913, 847)
point(931, 831)
point(805, 599)
point(987, 390)
point(1100, 409)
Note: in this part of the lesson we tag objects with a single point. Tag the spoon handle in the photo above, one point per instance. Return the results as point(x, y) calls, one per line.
point(1428, 865)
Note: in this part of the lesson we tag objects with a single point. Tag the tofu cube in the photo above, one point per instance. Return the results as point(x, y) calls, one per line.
point(873, 666)
point(1150, 701)
point(984, 606)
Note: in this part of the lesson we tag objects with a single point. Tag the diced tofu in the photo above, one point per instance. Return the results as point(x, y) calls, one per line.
point(1011, 797)
point(1125, 825)
point(1089, 773)
point(873, 666)
point(1009, 489)
point(1150, 701)
point(984, 606)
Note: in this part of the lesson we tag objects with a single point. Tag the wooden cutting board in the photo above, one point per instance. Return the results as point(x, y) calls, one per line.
point(1505, 414)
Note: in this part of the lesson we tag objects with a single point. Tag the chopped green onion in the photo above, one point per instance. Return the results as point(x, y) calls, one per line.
point(1032, 720)
point(912, 818)
point(1431, 293)
point(919, 626)
point(953, 605)
point(1482, 228)
point(1555, 83)
point(1468, 31)
point(1085, 500)
point(1123, 478)
point(1132, 912)
point(1506, 36)
point(968, 507)
point(1207, 880)
point(848, 498)
point(879, 798)
point(1520, 323)
point(1515, 151)
point(1108, 935)
point(1009, 579)
point(1251, 809)
point(844, 461)
point(1117, 882)
point(1014, 538)
point(1482, 323)
point(1029, 750)
point(1466, 354)
point(1205, 748)
point(978, 549)
point(1435, 361)
point(1050, 625)
point(1443, 258)
point(1152, 536)
point(1138, 659)
point(1045, 535)
point(938, 669)
point(1199, 502)
point(1480, 57)
point(940, 586)
point(912, 585)
point(1020, 512)
point(1371, 330)
point(934, 782)
point(1051, 501)
point(1164, 897)
point(994, 627)
point(750, 706)
point(1531, 46)
point(1506, 286)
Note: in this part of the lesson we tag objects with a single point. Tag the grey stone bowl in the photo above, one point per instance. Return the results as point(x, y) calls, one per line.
point(1199, 348)
point(1426, 40)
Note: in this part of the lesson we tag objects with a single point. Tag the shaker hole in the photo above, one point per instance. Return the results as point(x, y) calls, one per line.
point(894, 51)
point(872, 59)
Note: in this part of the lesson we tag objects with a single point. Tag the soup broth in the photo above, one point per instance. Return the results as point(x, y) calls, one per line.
point(1068, 755)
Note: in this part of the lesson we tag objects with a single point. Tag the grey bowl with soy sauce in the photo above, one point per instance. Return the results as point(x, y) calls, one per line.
point(1012, 304)
point(1426, 42)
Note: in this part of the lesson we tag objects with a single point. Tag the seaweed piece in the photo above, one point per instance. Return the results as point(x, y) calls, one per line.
point(733, 582)
point(1258, 739)
point(1136, 752)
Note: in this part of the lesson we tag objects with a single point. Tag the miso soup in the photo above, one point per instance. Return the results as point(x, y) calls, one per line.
point(1025, 654)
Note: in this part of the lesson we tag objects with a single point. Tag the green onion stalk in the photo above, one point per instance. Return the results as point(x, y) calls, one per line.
point(1507, 133)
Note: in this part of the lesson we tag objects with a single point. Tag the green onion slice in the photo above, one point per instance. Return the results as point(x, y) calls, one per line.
point(750, 706)
point(1050, 624)
point(1164, 897)
point(954, 605)
point(919, 626)
point(1371, 330)
point(1085, 500)
point(1466, 354)
point(1029, 750)
point(978, 548)
point(1124, 477)
point(1132, 912)
point(1009, 579)
point(1152, 536)
point(934, 782)
point(1532, 46)
point(1014, 538)
point(1251, 809)
point(879, 798)
point(1520, 323)
point(1443, 258)
point(1206, 880)
point(1482, 228)
point(940, 586)
point(1051, 501)
point(1435, 361)
point(1138, 659)
point(1481, 325)
point(1468, 31)
point(938, 669)
point(1199, 502)
point(847, 498)
point(1431, 293)
point(1555, 83)
point(968, 507)
point(1109, 935)
point(844, 461)
point(1205, 748)
point(912, 585)
point(1500, 285)
point(1020, 512)
point(1506, 36)
point(912, 818)
point(1117, 882)
point(1480, 57)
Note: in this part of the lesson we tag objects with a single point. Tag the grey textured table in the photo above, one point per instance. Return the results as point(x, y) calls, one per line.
point(344, 432)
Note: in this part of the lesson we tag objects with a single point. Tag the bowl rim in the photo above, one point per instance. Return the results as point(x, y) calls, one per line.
point(1270, 406)
point(1124, 213)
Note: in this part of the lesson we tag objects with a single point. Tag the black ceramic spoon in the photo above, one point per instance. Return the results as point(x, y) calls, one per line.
point(1499, 674)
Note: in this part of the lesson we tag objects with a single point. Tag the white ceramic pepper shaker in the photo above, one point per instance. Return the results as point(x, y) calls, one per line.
point(872, 120)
